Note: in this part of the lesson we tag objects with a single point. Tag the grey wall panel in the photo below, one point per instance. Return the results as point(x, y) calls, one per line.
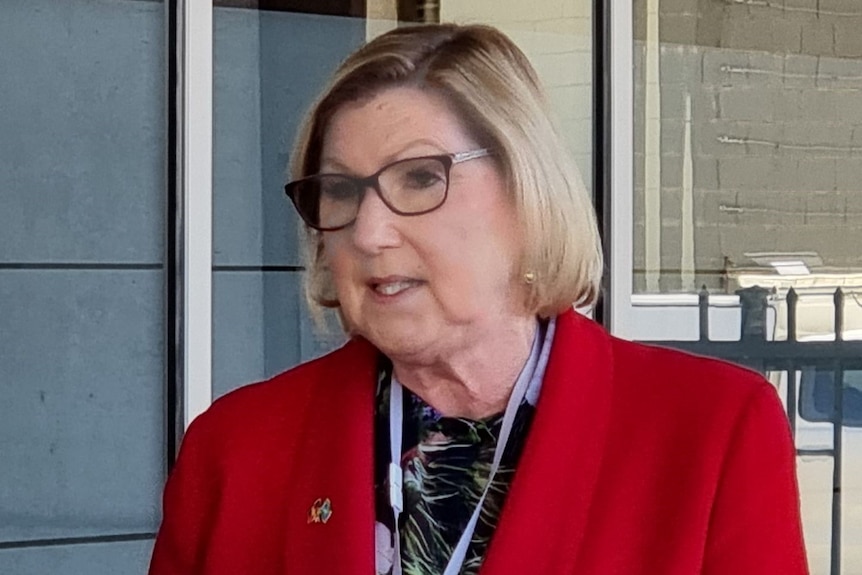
point(82, 416)
point(82, 131)
point(128, 558)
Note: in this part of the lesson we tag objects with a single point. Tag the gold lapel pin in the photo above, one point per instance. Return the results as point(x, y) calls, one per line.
point(320, 511)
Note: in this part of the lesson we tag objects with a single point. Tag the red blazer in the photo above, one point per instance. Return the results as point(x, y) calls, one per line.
point(639, 461)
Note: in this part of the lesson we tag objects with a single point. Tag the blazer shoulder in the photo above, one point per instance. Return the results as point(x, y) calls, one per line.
point(284, 396)
point(659, 369)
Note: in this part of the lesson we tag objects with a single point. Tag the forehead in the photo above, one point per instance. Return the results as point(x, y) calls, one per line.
point(391, 124)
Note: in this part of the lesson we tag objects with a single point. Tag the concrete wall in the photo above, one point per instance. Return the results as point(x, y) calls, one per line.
point(82, 164)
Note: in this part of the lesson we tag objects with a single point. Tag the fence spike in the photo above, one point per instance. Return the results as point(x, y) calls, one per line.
point(838, 298)
point(792, 301)
point(753, 302)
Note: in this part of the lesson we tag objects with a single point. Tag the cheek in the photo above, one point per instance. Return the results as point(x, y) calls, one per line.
point(478, 259)
point(482, 274)
point(338, 263)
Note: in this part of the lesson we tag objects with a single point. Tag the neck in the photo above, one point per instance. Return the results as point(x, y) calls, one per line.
point(472, 382)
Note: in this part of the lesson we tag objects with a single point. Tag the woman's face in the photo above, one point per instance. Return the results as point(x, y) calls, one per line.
point(419, 287)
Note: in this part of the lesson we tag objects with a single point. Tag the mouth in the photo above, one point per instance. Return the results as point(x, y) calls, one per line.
point(392, 286)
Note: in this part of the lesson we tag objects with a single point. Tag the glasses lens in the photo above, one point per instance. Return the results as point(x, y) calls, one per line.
point(326, 201)
point(339, 200)
point(415, 185)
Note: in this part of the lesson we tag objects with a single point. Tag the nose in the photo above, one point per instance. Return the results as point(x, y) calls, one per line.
point(375, 227)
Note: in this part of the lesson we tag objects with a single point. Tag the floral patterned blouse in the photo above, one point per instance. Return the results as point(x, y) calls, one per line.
point(446, 463)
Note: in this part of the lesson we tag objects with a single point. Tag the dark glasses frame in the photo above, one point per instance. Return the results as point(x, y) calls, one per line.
point(293, 189)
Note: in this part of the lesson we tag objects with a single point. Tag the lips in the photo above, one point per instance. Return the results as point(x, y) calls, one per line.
point(392, 286)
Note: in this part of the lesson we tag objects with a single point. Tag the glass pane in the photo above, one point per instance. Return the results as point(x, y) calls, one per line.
point(748, 176)
point(82, 169)
point(271, 59)
point(748, 144)
point(557, 38)
point(269, 65)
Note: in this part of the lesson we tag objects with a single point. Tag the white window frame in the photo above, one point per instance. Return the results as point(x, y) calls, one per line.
point(622, 167)
point(643, 316)
point(195, 41)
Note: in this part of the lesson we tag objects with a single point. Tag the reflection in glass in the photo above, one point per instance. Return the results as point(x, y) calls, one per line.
point(748, 175)
point(748, 143)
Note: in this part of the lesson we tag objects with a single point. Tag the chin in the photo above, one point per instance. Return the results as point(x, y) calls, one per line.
point(397, 341)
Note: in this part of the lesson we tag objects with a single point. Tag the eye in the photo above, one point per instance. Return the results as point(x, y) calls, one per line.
point(337, 189)
point(419, 174)
point(421, 178)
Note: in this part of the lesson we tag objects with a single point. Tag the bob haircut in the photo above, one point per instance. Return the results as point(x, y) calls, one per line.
point(491, 87)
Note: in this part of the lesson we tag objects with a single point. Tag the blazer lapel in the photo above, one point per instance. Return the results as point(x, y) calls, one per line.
point(545, 515)
point(334, 467)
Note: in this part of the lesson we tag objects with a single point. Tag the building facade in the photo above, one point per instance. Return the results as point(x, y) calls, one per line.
point(149, 262)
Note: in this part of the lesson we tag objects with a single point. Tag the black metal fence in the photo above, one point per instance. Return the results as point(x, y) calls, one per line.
point(818, 375)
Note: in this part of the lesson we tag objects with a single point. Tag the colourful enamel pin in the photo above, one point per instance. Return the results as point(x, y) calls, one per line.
point(320, 511)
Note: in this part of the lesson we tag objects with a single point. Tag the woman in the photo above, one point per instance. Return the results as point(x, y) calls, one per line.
point(474, 422)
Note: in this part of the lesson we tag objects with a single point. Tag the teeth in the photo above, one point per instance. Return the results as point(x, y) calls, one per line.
point(393, 288)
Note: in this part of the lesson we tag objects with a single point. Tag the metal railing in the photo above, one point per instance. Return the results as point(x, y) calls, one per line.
point(791, 356)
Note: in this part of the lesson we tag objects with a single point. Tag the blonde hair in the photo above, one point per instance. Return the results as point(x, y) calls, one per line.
point(491, 86)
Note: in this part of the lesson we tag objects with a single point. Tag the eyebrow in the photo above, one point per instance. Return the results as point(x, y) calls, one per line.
point(402, 154)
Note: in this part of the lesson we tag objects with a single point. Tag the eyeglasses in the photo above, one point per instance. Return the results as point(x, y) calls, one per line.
point(408, 187)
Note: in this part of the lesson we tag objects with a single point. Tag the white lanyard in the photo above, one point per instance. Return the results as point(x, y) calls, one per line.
point(396, 475)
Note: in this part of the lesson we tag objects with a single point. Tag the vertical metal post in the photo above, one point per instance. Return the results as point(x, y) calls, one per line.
point(792, 301)
point(837, 443)
point(601, 177)
point(792, 368)
point(174, 309)
point(703, 310)
point(753, 302)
